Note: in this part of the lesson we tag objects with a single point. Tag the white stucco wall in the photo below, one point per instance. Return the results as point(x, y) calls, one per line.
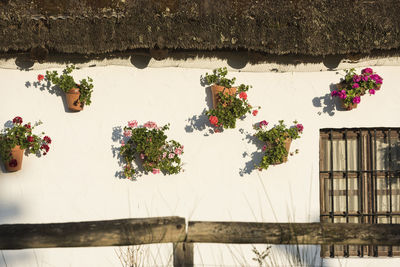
point(76, 180)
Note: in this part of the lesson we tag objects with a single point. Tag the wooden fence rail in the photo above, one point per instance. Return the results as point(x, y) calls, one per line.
point(94, 233)
point(173, 230)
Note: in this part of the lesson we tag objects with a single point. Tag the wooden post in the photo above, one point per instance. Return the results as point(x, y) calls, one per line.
point(92, 234)
point(183, 254)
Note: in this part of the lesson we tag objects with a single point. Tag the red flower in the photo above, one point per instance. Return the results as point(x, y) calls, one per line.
point(30, 139)
point(47, 139)
point(13, 163)
point(255, 112)
point(40, 77)
point(17, 120)
point(213, 120)
point(27, 126)
point(45, 147)
point(243, 95)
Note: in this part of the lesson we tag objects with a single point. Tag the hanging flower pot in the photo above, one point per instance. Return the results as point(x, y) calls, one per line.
point(276, 141)
point(77, 95)
point(15, 162)
point(73, 99)
point(229, 103)
point(216, 89)
point(15, 140)
point(148, 146)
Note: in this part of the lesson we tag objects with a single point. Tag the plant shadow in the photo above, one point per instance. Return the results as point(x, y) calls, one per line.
point(117, 136)
point(200, 122)
point(255, 157)
point(53, 90)
point(327, 103)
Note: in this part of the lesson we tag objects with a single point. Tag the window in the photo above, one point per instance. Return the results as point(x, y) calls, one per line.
point(359, 182)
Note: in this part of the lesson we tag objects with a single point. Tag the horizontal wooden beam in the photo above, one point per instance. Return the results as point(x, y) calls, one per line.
point(294, 233)
point(93, 233)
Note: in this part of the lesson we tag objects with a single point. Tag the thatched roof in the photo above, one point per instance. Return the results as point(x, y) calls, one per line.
point(308, 27)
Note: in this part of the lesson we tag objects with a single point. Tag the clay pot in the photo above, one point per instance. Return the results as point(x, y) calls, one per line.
point(350, 107)
point(215, 89)
point(287, 144)
point(73, 100)
point(16, 154)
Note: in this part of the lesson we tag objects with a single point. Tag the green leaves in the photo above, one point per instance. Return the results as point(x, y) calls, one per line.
point(218, 78)
point(66, 82)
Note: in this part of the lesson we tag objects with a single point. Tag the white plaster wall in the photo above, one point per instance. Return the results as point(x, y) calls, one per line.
point(76, 180)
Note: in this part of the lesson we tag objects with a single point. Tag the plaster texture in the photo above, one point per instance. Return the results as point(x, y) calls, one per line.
point(77, 180)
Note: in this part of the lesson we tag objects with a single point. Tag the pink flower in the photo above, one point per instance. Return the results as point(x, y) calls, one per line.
point(150, 125)
point(178, 151)
point(367, 71)
point(300, 127)
point(132, 124)
point(371, 91)
point(263, 123)
point(164, 155)
point(141, 155)
point(155, 171)
point(171, 155)
point(264, 147)
point(40, 77)
point(213, 120)
point(255, 112)
point(243, 95)
point(128, 133)
point(122, 143)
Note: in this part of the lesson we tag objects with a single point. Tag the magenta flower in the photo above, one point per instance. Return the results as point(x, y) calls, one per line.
point(263, 123)
point(342, 94)
point(300, 127)
point(366, 71)
point(356, 78)
point(356, 85)
point(356, 100)
point(365, 78)
point(264, 147)
point(371, 91)
point(334, 93)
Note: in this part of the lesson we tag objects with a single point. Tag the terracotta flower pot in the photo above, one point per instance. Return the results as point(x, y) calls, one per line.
point(73, 100)
point(349, 107)
point(215, 89)
point(15, 163)
point(287, 144)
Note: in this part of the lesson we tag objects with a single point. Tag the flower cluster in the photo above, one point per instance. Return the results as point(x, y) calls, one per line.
point(147, 145)
point(230, 106)
point(276, 141)
point(22, 135)
point(354, 86)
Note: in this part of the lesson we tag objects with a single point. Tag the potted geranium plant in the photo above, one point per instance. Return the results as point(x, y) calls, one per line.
point(77, 94)
point(14, 140)
point(276, 142)
point(148, 145)
point(353, 86)
point(229, 103)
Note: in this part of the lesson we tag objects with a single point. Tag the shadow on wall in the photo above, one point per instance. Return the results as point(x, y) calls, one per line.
point(200, 122)
point(255, 157)
point(52, 89)
point(328, 103)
